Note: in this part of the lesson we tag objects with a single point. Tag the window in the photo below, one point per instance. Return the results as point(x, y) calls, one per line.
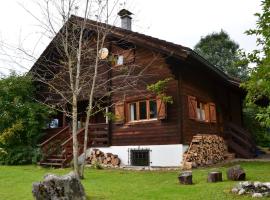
point(139, 157)
point(142, 110)
point(120, 60)
point(201, 111)
point(54, 123)
point(153, 109)
point(133, 111)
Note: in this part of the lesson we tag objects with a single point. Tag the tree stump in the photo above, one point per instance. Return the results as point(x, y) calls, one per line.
point(214, 177)
point(185, 178)
point(236, 173)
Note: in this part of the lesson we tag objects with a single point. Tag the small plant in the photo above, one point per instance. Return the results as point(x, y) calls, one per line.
point(159, 88)
point(97, 165)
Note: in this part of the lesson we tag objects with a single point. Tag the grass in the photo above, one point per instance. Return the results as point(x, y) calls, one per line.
point(16, 183)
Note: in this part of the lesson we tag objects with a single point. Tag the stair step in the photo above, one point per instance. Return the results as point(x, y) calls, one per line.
point(50, 164)
point(239, 150)
point(55, 160)
point(55, 157)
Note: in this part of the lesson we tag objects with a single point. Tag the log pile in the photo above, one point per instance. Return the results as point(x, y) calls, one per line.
point(105, 159)
point(205, 150)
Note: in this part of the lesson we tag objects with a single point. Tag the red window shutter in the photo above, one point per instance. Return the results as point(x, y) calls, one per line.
point(213, 115)
point(161, 109)
point(120, 112)
point(192, 107)
point(207, 112)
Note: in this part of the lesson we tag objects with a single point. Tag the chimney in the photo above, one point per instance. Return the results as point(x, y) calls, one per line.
point(125, 19)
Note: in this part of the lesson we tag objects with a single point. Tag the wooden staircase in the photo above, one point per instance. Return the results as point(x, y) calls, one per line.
point(57, 150)
point(239, 141)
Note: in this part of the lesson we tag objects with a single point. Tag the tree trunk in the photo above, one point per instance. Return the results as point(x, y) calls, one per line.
point(74, 135)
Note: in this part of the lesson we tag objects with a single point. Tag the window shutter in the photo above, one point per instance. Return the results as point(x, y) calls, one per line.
point(120, 112)
point(207, 112)
point(213, 115)
point(161, 109)
point(192, 107)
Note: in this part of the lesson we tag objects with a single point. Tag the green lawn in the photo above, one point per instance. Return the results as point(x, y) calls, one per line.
point(16, 183)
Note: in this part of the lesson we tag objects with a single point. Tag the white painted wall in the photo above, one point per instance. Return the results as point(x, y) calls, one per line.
point(160, 155)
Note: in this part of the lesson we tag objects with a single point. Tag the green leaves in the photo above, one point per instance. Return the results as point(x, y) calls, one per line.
point(224, 53)
point(258, 86)
point(159, 88)
point(21, 117)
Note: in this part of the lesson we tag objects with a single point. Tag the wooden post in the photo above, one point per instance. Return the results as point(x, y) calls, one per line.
point(185, 178)
point(64, 119)
point(214, 177)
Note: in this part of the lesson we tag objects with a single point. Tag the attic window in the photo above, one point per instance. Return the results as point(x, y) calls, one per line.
point(120, 60)
point(123, 56)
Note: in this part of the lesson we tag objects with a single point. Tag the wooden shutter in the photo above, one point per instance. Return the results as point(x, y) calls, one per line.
point(128, 56)
point(207, 112)
point(161, 109)
point(120, 112)
point(213, 115)
point(192, 107)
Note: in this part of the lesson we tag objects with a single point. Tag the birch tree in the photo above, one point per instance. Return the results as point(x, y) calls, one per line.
point(73, 69)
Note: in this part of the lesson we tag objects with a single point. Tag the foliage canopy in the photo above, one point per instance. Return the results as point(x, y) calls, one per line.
point(258, 86)
point(22, 120)
point(220, 50)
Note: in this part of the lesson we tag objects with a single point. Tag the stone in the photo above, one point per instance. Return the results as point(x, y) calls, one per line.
point(241, 191)
point(255, 189)
point(67, 187)
point(258, 184)
point(235, 190)
point(267, 184)
point(257, 195)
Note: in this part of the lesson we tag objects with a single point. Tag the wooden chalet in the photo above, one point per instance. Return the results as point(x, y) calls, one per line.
point(148, 131)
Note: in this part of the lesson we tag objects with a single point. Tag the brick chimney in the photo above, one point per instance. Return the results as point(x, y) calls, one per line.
point(125, 19)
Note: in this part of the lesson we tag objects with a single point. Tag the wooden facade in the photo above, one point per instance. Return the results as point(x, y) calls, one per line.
point(215, 98)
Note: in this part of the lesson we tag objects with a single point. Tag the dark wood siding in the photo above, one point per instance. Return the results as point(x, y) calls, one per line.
point(165, 131)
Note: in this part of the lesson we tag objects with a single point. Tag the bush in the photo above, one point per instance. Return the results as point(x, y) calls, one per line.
point(22, 120)
point(260, 133)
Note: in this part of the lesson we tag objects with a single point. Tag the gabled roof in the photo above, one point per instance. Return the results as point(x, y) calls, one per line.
point(162, 46)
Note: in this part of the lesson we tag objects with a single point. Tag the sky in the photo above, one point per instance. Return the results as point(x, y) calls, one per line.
point(180, 21)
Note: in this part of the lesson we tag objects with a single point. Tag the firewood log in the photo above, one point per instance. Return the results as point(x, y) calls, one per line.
point(214, 177)
point(185, 178)
point(236, 173)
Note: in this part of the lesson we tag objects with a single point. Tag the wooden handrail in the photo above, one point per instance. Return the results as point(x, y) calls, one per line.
point(53, 137)
point(70, 138)
point(91, 126)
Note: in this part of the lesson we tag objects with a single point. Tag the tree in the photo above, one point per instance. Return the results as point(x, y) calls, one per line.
point(22, 120)
point(220, 50)
point(76, 70)
point(258, 86)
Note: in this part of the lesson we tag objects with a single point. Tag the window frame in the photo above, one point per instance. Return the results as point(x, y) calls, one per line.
point(137, 103)
point(204, 105)
point(201, 108)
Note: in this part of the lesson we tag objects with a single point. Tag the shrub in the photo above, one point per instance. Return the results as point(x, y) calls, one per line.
point(22, 120)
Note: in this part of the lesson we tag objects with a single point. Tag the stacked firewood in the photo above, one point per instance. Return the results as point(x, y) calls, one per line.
point(205, 150)
point(105, 159)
